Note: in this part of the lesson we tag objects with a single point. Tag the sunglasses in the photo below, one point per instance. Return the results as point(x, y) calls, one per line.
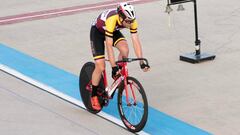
point(128, 21)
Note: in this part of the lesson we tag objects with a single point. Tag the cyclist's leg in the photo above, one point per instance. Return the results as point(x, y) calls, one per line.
point(96, 77)
point(99, 68)
point(121, 44)
point(97, 47)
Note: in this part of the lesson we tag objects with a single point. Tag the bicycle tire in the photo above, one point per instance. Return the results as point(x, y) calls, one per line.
point(133, 127)
point(84, 78)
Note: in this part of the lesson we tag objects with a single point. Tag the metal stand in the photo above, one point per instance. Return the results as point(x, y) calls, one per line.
point(197, 56)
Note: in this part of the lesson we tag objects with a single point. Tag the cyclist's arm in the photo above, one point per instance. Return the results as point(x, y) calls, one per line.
point(135, 39)
point(136, 42)
point(137, 45)
point(138, 49)
point(110, 26)
point(109, 42)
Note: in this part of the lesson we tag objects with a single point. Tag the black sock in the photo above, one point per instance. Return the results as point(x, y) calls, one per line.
point(94, 90)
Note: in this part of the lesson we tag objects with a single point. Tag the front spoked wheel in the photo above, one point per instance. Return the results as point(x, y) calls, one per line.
point(134, 113)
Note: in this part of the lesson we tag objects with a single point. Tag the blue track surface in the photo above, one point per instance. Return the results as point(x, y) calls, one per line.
point(67, 83)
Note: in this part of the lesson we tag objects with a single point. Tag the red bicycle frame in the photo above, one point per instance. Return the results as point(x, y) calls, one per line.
point(117, 82)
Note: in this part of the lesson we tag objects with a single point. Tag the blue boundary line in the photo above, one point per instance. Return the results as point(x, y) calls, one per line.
point(158, 123)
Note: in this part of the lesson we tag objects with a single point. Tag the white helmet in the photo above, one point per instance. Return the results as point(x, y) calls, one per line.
point(126, 11)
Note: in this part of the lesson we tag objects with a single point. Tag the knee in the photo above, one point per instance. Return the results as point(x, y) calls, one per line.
point(125, 52)
point(123, 48)
point(100, 66)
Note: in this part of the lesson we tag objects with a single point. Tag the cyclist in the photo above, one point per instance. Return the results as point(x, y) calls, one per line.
point(105, 32)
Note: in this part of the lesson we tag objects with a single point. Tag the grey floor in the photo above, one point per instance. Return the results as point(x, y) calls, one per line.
point(205, 95)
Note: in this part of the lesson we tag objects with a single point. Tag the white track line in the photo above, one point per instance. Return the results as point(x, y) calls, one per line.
point(60, 94)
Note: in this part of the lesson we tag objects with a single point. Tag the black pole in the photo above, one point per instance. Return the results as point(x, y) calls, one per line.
point(168, 2)
point(197, 56)
point(197, 41)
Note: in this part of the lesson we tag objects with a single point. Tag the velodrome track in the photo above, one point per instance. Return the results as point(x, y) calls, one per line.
point(204, 95)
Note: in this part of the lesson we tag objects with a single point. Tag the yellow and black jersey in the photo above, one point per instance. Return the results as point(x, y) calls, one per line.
point(108, 22)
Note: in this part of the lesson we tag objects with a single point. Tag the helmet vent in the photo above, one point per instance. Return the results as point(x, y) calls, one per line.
point(128, 13)
point(133, 13)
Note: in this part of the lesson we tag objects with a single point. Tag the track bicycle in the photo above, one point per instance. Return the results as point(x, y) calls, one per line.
point(131, 98)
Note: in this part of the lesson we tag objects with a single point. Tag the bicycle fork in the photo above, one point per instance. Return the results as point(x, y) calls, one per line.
point(125, 72)
point(127, 94)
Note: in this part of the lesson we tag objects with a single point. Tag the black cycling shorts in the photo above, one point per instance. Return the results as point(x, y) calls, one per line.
point(97, 39)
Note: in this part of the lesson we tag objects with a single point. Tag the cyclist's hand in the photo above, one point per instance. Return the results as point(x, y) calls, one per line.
point(115, 72)
point(145, 67)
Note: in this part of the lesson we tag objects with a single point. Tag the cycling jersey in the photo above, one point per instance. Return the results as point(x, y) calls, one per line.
point(107, 24)
point(109, 21)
